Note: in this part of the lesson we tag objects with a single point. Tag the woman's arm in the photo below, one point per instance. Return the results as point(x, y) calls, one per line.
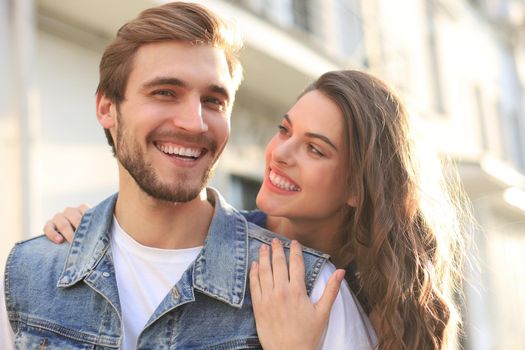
point(63, 225)
point(284, 315)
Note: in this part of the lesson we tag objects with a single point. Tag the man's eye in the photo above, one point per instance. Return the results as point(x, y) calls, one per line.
point(216, 103)
point(167, 93)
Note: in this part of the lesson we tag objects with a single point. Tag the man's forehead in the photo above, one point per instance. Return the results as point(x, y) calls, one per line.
point(195, 64)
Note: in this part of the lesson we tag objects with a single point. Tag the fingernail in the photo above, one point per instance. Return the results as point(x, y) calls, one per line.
point(263, 248)
point(59, 238)
point(340, 274)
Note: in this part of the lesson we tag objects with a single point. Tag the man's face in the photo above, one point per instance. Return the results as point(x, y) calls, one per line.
point(175, 119)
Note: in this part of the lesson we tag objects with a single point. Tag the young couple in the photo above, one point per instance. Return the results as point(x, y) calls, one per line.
point(167, 264)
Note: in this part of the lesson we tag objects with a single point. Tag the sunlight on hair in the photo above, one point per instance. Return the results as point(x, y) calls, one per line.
point(445, 209)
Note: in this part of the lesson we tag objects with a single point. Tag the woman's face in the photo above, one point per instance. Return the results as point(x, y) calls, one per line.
point(305, 176)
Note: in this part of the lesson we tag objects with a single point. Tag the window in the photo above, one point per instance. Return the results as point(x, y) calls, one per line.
point(244, 192)
point(302, 15)
point(435, 68)
point(480, 112)
point(517, 137)
point(350, 27)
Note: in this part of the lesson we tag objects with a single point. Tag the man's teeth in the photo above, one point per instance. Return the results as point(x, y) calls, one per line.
point(180, 151)
point(281, 182)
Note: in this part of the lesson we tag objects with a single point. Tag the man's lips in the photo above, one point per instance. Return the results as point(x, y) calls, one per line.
point(177, 150)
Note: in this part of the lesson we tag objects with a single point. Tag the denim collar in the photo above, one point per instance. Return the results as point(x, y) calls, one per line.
point(219, 271)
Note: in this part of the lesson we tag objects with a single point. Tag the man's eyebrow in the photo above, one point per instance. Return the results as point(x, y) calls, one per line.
point(177, 82)
point(220, 90)
point(164, 81)
point(313, 134)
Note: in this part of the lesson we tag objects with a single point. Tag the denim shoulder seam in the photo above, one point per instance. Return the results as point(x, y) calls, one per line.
point(266, 237)
point(7, 285)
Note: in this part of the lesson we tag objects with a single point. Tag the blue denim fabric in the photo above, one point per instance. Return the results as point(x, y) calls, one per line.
point(66, 297)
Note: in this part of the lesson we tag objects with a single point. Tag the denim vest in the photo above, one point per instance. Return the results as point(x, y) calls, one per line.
point(65, 296)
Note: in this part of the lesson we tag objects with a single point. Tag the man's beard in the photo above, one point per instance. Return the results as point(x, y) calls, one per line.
point(132, 158)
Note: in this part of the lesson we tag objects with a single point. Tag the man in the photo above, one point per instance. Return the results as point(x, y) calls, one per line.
point(163, 263)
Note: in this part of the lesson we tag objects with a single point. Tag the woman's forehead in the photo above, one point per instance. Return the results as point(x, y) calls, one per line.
point(315, 112)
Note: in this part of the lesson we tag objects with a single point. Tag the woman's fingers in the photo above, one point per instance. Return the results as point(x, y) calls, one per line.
point(83, 208)
point(63, 225)
point(265, 269)
point(52, 234)
point(324, 305)
point(273, 273)
point(285, 316)
point(297, 266)
point(279, 266)
point(74, 215)
point(255, 286)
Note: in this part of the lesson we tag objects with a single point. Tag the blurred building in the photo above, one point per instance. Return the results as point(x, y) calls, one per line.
point(456, 62)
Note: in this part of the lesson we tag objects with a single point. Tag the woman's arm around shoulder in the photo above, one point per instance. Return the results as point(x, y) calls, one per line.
point(63, 225)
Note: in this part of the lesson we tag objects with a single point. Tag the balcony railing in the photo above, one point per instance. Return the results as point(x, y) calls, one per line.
point(333, 30)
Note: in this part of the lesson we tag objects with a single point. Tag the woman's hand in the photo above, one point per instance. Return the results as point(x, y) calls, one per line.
point(284, 315)
point(63, 225)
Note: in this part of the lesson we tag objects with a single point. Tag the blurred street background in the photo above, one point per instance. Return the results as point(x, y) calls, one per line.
point(459, 64)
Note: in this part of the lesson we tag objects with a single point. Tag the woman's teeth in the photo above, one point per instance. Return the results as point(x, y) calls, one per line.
point(281, 182)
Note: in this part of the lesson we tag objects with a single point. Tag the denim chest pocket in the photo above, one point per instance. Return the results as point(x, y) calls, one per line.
point(36, 338)
point(237, 344)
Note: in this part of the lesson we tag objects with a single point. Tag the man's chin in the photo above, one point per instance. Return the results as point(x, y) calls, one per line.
point(182, 193)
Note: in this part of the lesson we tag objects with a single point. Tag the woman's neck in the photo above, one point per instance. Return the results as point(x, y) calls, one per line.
point(323, 235)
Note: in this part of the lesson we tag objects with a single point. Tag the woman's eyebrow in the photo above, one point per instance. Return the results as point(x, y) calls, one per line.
point(313, 134)
point(321, 137)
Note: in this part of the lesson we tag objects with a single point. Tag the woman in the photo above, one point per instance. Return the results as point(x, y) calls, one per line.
point(342, 177)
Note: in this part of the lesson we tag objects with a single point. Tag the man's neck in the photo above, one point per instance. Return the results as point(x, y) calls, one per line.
point(161, 224)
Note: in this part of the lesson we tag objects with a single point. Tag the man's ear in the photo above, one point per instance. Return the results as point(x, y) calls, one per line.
point(106, 111)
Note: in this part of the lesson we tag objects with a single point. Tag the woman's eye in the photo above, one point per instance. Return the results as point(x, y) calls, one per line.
point(315, 150)
point(282, 129)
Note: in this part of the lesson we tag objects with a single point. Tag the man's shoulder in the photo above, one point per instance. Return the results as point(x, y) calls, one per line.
point(37, 253)
point(265, 236)
point(39, 245)
point(34, 266)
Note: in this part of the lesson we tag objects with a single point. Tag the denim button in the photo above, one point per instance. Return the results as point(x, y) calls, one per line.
point(105, 274)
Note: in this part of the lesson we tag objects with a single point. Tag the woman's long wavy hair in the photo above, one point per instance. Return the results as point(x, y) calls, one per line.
point(404, 236)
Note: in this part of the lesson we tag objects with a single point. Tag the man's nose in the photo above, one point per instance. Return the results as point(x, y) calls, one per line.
point(189, 117)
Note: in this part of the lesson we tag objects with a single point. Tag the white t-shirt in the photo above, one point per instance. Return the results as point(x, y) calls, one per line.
point(146, 275)
point(348, 326)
